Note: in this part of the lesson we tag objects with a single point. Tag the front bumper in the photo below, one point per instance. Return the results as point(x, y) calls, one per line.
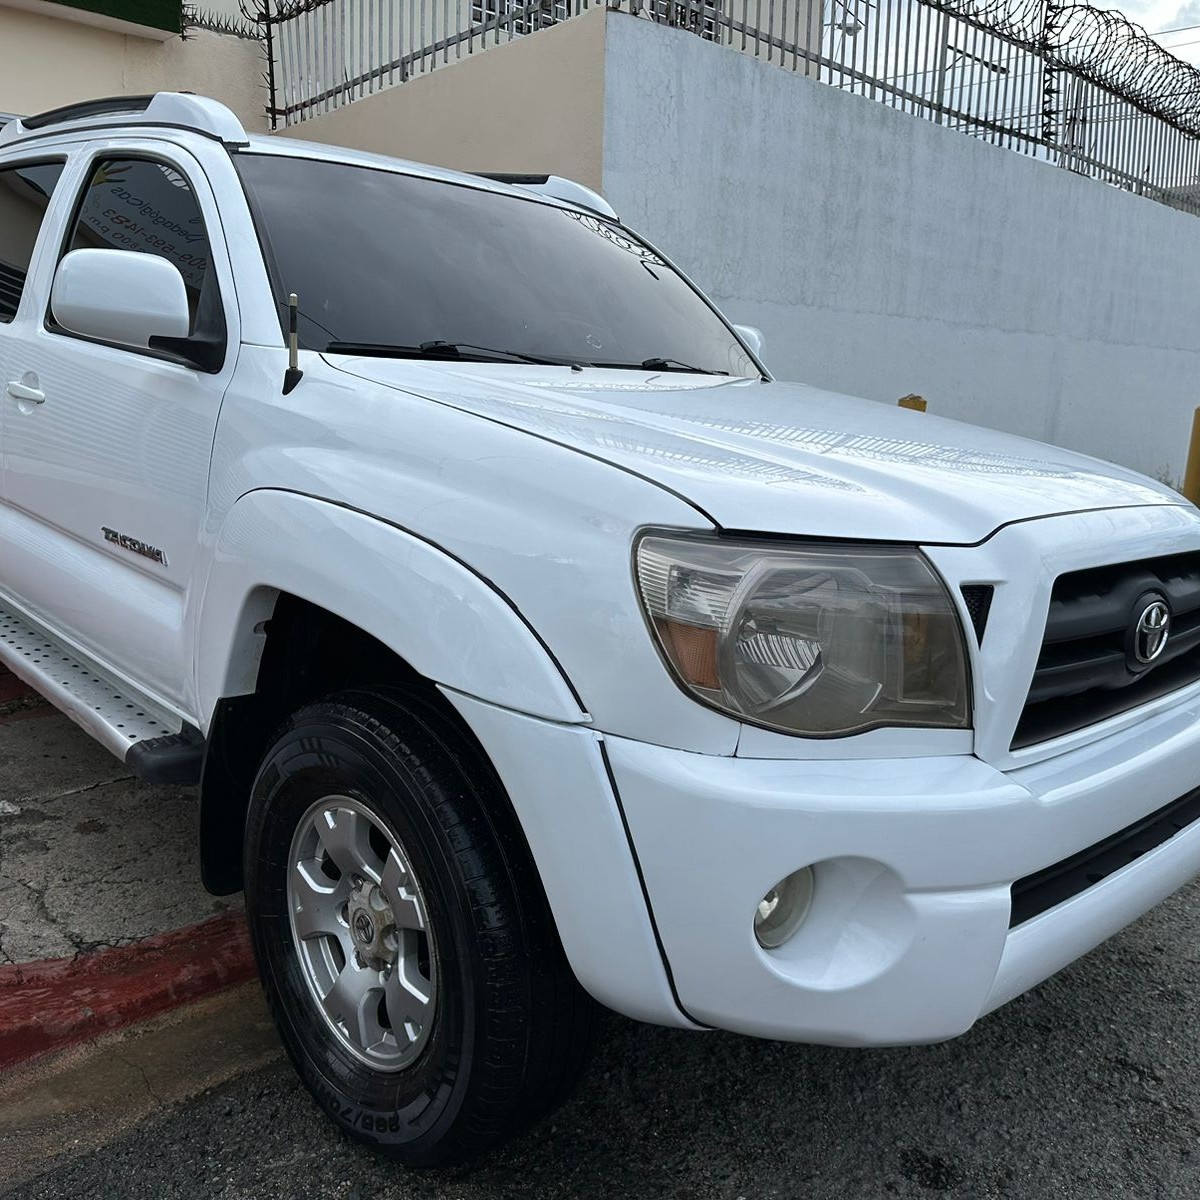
point(908, 938)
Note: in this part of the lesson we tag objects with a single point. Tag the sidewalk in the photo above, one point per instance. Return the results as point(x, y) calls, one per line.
point(92, 860)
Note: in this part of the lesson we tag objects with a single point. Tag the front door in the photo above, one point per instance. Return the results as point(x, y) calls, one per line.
point(107, 447)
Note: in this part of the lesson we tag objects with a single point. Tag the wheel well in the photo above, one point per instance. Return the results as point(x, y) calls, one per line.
point(309, 653)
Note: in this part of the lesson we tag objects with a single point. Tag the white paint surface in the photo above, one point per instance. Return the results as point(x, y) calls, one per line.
point(882, 254)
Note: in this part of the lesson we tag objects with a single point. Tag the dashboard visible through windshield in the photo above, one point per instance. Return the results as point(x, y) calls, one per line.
point(400, 265)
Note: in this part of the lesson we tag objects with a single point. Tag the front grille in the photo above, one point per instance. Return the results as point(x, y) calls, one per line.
point(1036, 893)
point(1085, 672)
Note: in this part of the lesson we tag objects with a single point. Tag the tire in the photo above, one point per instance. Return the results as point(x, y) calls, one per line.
point(476, 1026)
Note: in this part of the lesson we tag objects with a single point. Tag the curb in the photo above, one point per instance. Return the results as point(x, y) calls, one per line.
point(49, 1005)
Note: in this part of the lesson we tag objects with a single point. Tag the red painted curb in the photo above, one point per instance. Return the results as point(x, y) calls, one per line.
point(45, 1006)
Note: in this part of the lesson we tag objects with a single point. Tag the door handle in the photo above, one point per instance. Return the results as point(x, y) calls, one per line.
point(22, 391)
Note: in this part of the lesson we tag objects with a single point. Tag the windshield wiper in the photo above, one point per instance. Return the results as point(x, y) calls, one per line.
point(448, 351)
point(657, 364)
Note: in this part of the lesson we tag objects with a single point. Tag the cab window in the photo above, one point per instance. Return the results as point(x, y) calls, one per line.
point(148, 207)
point(25, 193)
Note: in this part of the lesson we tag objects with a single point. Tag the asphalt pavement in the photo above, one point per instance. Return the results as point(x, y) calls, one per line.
point(89, 856)
point(1087, 1087)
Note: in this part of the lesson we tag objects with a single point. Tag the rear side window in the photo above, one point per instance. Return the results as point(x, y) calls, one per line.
point(149, 207)
point(25, 193)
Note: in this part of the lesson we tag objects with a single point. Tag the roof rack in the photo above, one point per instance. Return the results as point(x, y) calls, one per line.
point(176, 110)
point(558, 188)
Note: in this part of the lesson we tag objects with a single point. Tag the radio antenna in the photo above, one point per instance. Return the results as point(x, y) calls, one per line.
point(293, 374)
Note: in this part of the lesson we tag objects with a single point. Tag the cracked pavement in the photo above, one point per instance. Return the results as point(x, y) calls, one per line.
point(89, 856)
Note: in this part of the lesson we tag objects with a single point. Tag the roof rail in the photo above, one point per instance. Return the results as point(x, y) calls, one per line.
point(559, 188)
point(88, 108)
point(177, 110)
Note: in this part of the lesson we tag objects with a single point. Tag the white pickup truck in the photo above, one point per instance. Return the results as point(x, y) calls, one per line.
point(531, 645)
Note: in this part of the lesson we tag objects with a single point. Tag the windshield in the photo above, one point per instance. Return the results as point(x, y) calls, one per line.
point(440, 270)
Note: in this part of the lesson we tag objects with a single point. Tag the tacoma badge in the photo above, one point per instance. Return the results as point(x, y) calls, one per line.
point(129, 543)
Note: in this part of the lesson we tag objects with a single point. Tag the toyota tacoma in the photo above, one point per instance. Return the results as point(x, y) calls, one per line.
point(532, 647)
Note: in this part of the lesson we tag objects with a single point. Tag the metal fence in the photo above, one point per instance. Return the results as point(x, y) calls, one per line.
point(1073, 85)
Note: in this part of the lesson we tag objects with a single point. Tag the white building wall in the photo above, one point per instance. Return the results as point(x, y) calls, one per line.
point(883, 255)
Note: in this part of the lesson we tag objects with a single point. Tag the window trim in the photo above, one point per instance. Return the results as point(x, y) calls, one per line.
point(51, 326)
point(43, 160)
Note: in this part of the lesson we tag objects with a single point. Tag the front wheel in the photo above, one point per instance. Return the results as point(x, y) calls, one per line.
point(404, 943)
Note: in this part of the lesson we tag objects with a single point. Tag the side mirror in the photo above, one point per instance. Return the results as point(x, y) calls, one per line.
point(752, 337)
point(120, 296)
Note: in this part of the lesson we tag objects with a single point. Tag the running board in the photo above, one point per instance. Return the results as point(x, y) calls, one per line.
point(154, 744)
point(175, 758)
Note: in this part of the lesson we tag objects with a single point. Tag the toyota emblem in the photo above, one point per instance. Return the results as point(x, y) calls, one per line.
point(1151, 630)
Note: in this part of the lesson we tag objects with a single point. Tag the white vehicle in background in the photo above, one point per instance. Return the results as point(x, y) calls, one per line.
point(532, 646)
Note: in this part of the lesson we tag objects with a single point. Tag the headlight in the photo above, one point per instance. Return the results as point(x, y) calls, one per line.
point(815, 639)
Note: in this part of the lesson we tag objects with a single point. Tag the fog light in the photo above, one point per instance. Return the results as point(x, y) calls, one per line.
point(783, 908)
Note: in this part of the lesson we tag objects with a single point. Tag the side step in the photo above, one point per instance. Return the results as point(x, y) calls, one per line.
point(155, 744)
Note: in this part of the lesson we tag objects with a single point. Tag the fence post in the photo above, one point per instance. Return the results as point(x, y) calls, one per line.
point(269, 47)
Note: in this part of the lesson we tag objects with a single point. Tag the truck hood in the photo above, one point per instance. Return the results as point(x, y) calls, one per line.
point(783, 457)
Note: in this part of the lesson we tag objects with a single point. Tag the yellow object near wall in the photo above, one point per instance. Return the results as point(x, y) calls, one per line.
point(1191, 475)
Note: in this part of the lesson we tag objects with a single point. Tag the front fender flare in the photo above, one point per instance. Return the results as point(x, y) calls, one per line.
point(446, 621)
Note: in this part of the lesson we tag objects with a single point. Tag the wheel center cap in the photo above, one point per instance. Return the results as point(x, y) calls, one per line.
point(371, 924)
point(364, 929)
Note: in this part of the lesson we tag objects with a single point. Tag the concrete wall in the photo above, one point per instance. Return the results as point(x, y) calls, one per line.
point(47, 61)
point(533, 104)
point(884, 255)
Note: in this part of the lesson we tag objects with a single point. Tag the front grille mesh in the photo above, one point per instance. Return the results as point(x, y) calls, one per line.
point(978, 599)
point(1083, 673)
